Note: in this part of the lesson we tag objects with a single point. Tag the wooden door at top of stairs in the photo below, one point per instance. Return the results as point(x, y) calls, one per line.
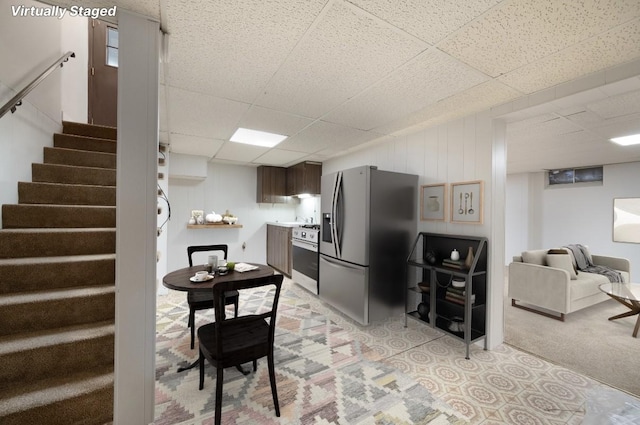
point(103, 73)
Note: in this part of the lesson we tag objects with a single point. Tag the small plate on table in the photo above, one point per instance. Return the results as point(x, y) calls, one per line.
point(196, 280)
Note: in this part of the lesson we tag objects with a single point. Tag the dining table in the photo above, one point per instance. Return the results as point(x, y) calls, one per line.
point(180, 280)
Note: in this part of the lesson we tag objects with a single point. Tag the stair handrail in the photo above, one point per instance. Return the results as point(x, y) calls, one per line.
point(16, 100)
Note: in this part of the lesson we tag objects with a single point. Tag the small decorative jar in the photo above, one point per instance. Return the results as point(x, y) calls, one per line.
point(455, 255)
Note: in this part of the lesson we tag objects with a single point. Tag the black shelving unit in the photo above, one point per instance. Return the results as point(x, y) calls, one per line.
point(461, 312)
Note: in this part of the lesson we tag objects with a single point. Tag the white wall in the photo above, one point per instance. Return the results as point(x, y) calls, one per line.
point(24, 133)
point(458, 151)
point(227, 187)
point(540, 217)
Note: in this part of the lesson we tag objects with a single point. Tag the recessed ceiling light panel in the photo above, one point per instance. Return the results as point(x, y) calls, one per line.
point(633, 139)
point(257, 138)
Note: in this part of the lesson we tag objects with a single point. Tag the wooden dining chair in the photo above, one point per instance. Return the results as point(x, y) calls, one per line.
point(232, 342)
point(204, 300)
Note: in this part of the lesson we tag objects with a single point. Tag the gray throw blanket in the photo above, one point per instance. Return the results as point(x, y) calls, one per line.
point(585, 264)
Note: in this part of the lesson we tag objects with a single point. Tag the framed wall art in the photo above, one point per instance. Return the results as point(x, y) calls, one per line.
point(433, 202)
point(626, 220)
point(467, 202)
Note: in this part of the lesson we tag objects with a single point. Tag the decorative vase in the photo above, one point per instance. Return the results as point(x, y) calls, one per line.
point(455, 255)
point(430, 256)
point(469, 260)
point(433, 204)
point(423, 311)
point(192, 220)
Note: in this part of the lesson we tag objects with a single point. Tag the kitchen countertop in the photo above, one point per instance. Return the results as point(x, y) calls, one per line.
point(287, 223)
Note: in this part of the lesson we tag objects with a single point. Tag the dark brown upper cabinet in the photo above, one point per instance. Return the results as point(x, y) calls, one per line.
point(271, 184)
point(304, 178)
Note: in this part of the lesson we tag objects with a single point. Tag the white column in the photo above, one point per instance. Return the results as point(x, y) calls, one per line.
point(495, 303)
point(136, 219)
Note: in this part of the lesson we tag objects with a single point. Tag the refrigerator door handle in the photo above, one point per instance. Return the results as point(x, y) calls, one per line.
point(335, 219)
point(341, 264)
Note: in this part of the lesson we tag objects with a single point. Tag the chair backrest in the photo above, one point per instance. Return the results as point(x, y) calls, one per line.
point(202, 248)
point(219, 303)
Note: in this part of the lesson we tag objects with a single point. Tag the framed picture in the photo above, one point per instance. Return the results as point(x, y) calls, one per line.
point(467, 202)
point(433, 202)
point(626, 220)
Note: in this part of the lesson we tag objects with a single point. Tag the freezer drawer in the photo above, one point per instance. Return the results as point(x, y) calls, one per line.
point(345, 286)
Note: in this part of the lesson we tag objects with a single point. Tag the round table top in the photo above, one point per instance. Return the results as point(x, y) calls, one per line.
point(625, 291)
point(179, 279)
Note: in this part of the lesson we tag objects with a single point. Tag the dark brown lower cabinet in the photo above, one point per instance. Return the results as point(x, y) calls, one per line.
point(279, 248)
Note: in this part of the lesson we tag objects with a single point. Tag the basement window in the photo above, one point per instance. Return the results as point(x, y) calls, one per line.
point(590, 175)
point(112, 47)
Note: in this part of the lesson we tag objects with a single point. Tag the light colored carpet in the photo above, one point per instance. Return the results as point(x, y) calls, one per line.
point(323, 376)
point(585, 342)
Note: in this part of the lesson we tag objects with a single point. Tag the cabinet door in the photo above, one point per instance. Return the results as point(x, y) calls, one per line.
point(311, 180)
point(271, 184)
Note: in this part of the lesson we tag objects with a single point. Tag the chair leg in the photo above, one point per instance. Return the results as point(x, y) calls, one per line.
point(255, 365)
point(272, 378)
point(192, 324)
point(219, 378)
point(235, 307)
point(201, 365)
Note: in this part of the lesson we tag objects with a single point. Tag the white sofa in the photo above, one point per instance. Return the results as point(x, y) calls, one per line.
point(536, 286)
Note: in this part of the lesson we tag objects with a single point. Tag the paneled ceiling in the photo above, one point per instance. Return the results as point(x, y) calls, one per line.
point(334, 75)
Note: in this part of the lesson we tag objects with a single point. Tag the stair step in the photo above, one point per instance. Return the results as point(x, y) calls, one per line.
point(65, 194)
point(54, 173)
point(81, 398)
point(57, 308)
point(18, 275)
point(89, 130)
point(31, 356)
point(78, 157)
point(26, 216)
point(84, 143)
point(21, 243)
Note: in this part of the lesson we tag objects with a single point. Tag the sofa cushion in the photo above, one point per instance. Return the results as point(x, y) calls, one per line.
point(562, 261)
point(536, 256)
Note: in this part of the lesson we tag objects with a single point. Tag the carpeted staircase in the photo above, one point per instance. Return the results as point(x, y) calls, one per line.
point(57, 285)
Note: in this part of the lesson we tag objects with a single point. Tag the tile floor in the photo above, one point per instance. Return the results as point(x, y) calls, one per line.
point(501, 386)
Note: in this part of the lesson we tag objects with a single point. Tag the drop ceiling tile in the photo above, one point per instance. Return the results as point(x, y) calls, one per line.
point(322, 135)
point(193, 145)
point(617, 106)
point(264, 119)
point(240, 152)
point(615, 47)
point(619, 127)
point(203, 115)
point(475, 99)
point(622, 86)
point(517, 33)
point(427, 79)
point(424, 18)
point(279, 157)
point(232, 48)
point(347, 51)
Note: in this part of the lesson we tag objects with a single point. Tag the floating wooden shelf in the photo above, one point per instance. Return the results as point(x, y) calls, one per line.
point(214, 226)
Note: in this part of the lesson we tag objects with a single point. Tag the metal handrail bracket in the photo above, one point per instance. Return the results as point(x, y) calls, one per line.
point(16, 100)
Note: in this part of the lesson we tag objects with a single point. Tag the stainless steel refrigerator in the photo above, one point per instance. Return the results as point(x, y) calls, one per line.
point(369, 218)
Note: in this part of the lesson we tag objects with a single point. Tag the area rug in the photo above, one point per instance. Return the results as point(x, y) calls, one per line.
point(324, 376)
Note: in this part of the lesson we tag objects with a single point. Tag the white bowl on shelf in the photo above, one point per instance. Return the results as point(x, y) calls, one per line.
point(230, 220)
point(458, 283)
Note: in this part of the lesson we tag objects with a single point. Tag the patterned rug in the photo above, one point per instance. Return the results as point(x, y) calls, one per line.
point(323, 375)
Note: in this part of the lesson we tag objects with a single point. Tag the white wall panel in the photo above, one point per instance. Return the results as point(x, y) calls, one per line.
point(231, 187)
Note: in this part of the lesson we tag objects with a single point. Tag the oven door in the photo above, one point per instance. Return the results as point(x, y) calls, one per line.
point(305, 265)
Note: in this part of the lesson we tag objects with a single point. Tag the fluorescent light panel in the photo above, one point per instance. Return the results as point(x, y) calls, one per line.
point(256, 138)
point(633, 139)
